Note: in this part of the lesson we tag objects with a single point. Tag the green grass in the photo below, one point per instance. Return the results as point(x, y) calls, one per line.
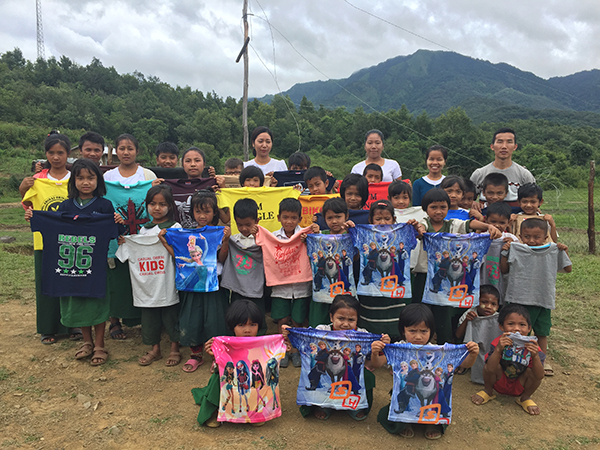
point(4, 373)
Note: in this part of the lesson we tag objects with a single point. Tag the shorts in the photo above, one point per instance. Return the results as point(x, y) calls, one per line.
point(297, 308)
point(507, 386)
point(541, 320)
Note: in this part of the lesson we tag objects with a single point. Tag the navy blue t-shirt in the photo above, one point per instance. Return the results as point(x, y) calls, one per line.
point(75, 251)
point(294, 177)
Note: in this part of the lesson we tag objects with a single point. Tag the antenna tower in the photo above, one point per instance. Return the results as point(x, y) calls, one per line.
point(40, 30)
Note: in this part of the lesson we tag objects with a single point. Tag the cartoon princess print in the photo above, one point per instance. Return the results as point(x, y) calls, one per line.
point(243, 382)
point(272, 376)
point(230, 382)
point(258, 382)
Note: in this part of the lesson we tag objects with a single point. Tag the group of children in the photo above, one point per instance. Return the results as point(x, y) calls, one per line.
point(526, 251)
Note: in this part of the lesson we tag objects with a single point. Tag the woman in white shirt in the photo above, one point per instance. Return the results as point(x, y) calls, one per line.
point(262, 143)
point(373, 148)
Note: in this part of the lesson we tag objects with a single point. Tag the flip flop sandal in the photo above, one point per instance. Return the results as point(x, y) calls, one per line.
point(85, 350)
point(101, 355)
point(461, 371)
point(148, 359)
point(525, 404)
point(195, 361)
point(75, 334)
point(173, 359)
point(407, 432)
point(433, 428)
point(486, 398)
point(548, 370)
point(354, 414)
point(324, 411)
point(117, 332)
point(48, 339)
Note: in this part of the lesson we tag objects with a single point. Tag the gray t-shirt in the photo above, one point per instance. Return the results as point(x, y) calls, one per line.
point(532, 274)
point(482, 330)
point(517, 176)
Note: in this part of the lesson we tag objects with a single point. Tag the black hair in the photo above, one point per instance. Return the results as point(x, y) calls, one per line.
point(167, 193)
point(373, 131)
point(240, 312)
point(343, 301)
point(92, 167)
point(512, 308)
point(434, 195)
point(337, 205)
point(414, 314)
point(504, 130)
point(360, 182)
point(534, 222)
point(56, 138)
point(257, 131)
point(292, 205)
point(437, 148)
point(314, 172)
point(205, 197)
point(245, 208)
point(91, 136)
point(197, 150)
point(299, 159)
point(451, 180)
point(501, 209)
point(127, 137)
point(167, 147)
point(251, 172)
point(470, 187)
point(234, 163)
point(489, 290)
point(495, 179)
point(399, 187)
point(374, 167)
point(530, 190)
point(381, 205)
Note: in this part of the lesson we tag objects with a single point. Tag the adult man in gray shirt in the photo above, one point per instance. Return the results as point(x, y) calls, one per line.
point(504, 143)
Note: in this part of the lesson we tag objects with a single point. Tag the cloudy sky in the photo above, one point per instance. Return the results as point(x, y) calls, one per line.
point(195, 42)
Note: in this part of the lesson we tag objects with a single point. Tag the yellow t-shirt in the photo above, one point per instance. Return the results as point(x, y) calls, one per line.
point(311, 205)
point(267, 198)
point(45, 195)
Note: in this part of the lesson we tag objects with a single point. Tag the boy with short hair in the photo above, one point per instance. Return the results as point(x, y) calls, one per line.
point(495, 187)
point(530, 197)
point(532, 269)
point(489, 302)
point(316, 180)
point(91, 146)
point(290, 300)
point(252, 176)
point(167, 155)
point(373, 173)
point(514, 368)
point(234, 166)
point(299, 161)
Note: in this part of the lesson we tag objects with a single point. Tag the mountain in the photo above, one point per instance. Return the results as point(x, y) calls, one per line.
point(435, 81)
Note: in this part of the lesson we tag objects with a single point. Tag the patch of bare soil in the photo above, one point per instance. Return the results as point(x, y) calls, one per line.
point(50, 400)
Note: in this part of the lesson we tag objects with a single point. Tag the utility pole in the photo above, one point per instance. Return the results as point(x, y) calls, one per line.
point(40, 31)
point(244, 52)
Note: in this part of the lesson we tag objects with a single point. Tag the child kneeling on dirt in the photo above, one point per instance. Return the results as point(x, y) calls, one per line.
point(513, 369)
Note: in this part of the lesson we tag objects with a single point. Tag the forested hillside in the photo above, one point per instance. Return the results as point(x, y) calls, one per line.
point(59, 94)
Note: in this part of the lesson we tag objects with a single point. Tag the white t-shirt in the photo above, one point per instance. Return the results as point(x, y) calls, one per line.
point(152, 271)
point(145, 231)
point(516, 174)
point(391, 169)
point(275, 165)
point(140, 174)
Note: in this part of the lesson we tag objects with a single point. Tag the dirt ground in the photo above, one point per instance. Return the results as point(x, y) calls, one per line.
point(51, 401)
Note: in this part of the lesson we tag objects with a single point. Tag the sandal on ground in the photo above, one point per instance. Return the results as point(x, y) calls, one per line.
point(75, 334)
point(548, 371)
point(322, 413)
point(173, 359)
point(461, 371)
point(433, 432)
point(485, 396)
point(356, 414)
point(526, 404)
point(48, 339)
point(212, 421)
point(148, 359)
point(407, 432)
point(195, 361)
point(258, 424)
point(101, 355)
point(117, 333)
point(85, 350)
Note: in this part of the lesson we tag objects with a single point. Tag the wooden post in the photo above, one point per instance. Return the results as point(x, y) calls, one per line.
point(245, 94)
point(109, 154)
point(591, 216)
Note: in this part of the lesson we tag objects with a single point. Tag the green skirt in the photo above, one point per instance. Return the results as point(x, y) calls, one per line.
point(47, 308)
point(318, 314)
point(83, 311)
point(202, 316)
point(118, 290)
point(208, 397)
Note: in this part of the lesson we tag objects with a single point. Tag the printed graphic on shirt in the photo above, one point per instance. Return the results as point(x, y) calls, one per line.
point(384, 252)
point(377, 191)
point(515, 358)
point(243, 270)
point(312, 205)
point(195, 257)
point(332, 374)
point(453, 263)
point(249, 376)
point(75, 255)
point(331, 263)
point(134, 215)
point(52, 203)
point(423, 377)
